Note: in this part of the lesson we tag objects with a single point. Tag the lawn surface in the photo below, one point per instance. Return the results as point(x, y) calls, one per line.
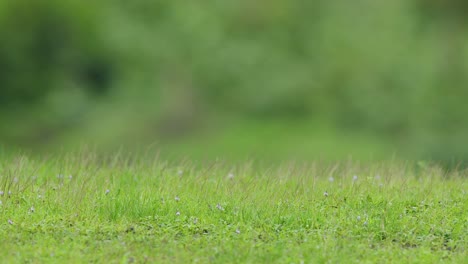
point(82, 208)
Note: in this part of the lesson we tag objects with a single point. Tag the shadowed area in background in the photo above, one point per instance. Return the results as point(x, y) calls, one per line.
point(270, 79)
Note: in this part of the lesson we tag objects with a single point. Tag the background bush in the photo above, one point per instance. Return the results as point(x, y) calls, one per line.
point(393, 69)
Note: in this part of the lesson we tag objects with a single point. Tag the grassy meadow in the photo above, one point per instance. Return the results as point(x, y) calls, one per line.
point(279, 131)
point(87, 208)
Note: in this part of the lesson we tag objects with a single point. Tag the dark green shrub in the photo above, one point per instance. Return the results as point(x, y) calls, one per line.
point(46, 44)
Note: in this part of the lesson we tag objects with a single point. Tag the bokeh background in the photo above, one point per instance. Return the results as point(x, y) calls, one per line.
point(276, 79)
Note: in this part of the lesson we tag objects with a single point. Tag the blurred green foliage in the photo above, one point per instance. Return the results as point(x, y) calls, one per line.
point(45, 43)
point(394, 69)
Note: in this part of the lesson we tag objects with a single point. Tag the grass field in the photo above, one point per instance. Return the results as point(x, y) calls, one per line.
point(83, 208)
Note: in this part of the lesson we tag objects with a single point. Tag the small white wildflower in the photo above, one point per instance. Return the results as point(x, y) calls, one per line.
point(1, 193)
point(355, 178)
point(107, 191)
point(32, 209)
point(237, 231)
point(15, 179)
point(380, 185)
point(10, 222)
point(230, 176)
point(70, 177)
point(219, 207)
point(331, 179)
point(39, 196)
point(195, 220)
point(178, 213)
point(180, 172)
point(1, 202)
point(365, 223)
point(59, 176)
point(177, 198)
point(9, 193)
point(377, 177)
point(325, 194)
point(358, 218)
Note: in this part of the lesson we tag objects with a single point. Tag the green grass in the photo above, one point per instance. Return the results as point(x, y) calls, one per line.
point(83, 208)
point(279, 141)
point(234, 139)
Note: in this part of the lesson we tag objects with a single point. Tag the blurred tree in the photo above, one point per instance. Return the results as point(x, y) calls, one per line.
point(48, 42)
point(443, 9)
point(446, 123)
